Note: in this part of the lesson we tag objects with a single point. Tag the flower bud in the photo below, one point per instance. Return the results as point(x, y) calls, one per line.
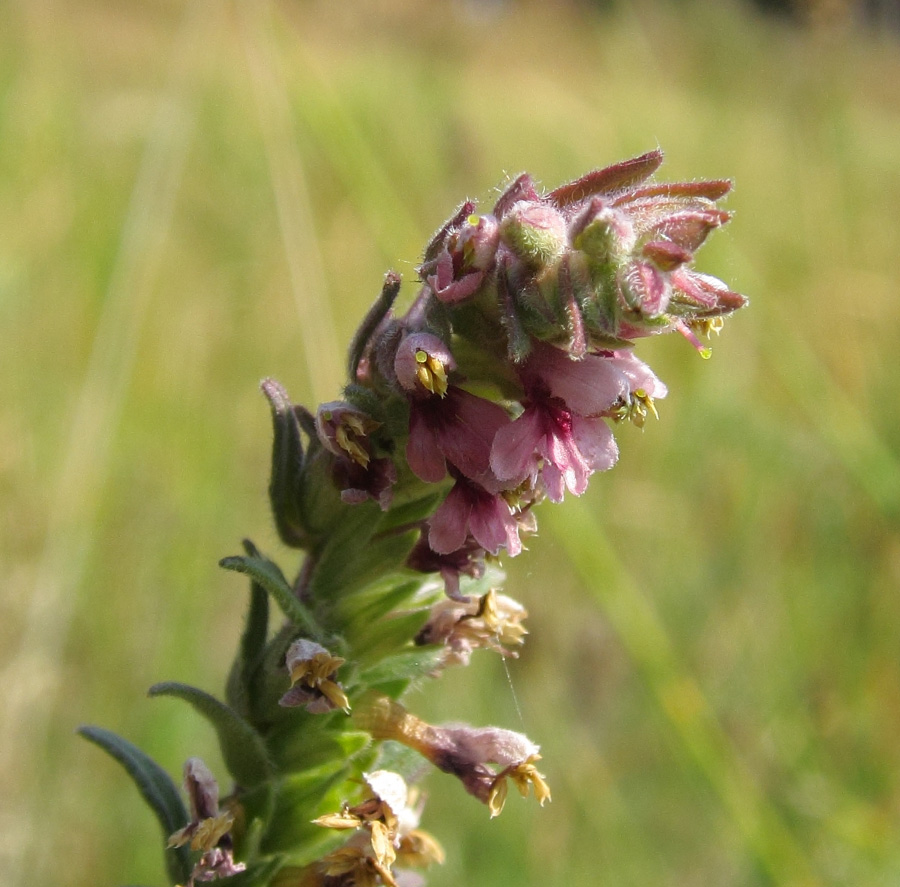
point(602, 232)
point(645, 289)
point(535, 233)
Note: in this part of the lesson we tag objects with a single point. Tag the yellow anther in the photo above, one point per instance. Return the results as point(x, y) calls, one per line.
point(431, 373)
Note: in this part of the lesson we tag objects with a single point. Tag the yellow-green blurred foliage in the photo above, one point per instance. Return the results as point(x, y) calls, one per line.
point(195, 194)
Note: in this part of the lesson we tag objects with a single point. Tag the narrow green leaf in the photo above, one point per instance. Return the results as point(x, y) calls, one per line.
point(406, 666)
point(391, 634)
point(243, 749)
point(300, 798)
point(269, 576)
point(243, 689)
point(411, 512)
point(302, 740)
point(287, 465)
point(358, 612)
point(157, 789)
point(343, 548)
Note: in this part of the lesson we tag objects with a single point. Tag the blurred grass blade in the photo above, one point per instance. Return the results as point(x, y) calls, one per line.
point(681, 699)
point(157, 789)
point(76, 495)
point(292, 205)
point(845, 428)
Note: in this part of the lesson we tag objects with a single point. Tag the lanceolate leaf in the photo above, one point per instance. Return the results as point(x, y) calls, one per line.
point(244, 682)
point(270, 577)
point(157, 789)
point(299, 795)
point(408, 665)
point(243, 749)
point(287, 464)
point(392, 633)
point(361, 610)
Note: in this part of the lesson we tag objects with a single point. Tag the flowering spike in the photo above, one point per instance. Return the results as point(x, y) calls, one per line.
point(499, 387)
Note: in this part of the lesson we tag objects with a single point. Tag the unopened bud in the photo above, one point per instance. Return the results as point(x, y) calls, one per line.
point(535, 232)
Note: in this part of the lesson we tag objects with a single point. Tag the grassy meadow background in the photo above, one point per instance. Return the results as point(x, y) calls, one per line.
point(196, 194)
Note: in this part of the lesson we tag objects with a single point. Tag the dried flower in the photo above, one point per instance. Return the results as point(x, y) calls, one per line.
point(463, 751)
point(312, 670)
point(208, 832)
point(492, 622)
point(386, 825)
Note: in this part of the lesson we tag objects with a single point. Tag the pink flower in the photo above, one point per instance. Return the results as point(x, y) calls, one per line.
point(555, 444)
point(458, 429)
point(470, 510)
point(449, 287)
point(422, 363)
point(560, 436)
point(587, 386)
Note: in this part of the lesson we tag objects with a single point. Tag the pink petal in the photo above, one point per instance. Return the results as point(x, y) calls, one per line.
point(512, 453)
point(596, 443)
point(493, 526)
point(588, 386)
point(554, 483)
point(450, 524)
point(422, 452)
point(467, 439)
point(638, 374)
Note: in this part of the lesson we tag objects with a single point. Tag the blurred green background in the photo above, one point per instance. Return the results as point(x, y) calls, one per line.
point(196, 194)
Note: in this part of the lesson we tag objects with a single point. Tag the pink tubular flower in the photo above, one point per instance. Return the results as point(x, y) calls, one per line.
point(447, 286)
point(587, 386)
point(469, 509)
point(559, 446)
point(446, 424)
point(422, 363)
point(560, 437)
point(458, 429)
